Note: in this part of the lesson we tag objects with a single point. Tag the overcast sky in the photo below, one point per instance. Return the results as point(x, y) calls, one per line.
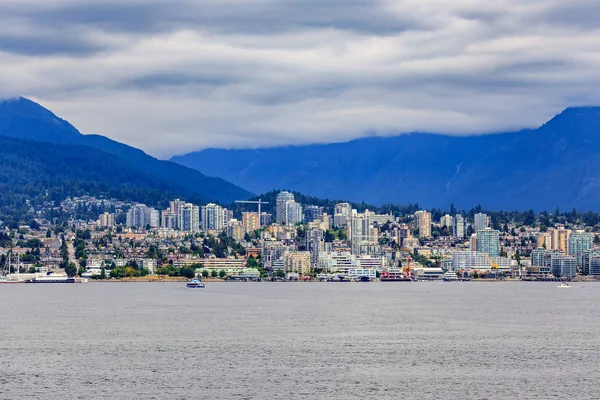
point(175, 76)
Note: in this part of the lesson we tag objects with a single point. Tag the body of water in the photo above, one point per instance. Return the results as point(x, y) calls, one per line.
point(455, 340)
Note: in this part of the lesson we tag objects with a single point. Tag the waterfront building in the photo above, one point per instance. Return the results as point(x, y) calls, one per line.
point(474, 260)
point(578, 243)
point(488, 241)
point(423, 223)
point(459, 230)
point(282, 199)
point(564, 266)
point(591, 263)
point(481, 221)
point(296, 262)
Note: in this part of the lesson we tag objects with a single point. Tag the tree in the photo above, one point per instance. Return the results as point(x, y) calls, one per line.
point(222, 274)
point(71, 269)
point(188, 272)
point(518, 257)
point(205, 273)
point(214, 273)
point(252, 263)
point(102, 273)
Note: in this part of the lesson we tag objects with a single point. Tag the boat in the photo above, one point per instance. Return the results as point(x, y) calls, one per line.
point(564, 285)
point(195, 284)
point(51, 278)
point(450, 276)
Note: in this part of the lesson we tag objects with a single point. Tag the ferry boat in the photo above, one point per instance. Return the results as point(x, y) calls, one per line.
point(50, 278)
point(564, 285)
point(450, 276)
point(195, 284)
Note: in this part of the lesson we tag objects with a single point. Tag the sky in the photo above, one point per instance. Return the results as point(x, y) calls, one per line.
point(183, 75)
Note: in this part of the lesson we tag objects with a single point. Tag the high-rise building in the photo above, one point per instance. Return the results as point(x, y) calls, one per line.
point(579, 242)
point(282, 199)
point(361, 232)
point(235, 229)
point(591, 263)
point(106, 220)
point(169, 219)
point(140, 215)
point(459, 226)
point(564, 266)
point(488, 241)
point(212, 217)
point(342, 214)
point(481, 221)
point(560, 239)
point(250, 221)
point(266, 219)
point(189, 218)
point(423, 223)
point(545, 241)
point(293, 213)
point(174, 207)
point(312, 213)
point(297, 262)
point(315, 244)
point(447, 221)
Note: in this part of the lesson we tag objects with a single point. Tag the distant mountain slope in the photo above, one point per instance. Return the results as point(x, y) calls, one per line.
point(557, 164)
point(23, 119)
point(35, 172)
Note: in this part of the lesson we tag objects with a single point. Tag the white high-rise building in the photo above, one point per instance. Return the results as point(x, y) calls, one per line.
point(189, 217)
point(482, 221)
point(447, 221)
point(342, 214)
point(140, 215)
point(361, 232)
point(579, 242)
point(423, 223)
point(459, 226)
point(212, 217)
point(282, 199)
point(293, 213)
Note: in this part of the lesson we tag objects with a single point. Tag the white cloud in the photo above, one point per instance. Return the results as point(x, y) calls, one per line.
point(175, 77)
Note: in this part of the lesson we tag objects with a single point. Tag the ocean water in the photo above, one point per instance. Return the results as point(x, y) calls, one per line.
point(458, 340)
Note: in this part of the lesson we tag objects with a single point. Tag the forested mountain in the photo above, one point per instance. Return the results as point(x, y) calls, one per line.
point(556, 165)
point(100, 162)
point(35, 172)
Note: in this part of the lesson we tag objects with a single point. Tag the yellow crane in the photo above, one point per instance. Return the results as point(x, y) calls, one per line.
point(493, 264)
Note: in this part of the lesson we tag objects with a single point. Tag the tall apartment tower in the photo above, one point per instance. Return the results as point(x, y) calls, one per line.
point(423, 223)
point(459, 226)
point(212, 217)
point(342, 214)
point(579, 242)
point(488, 241)
point(282, 199)
point(189, 217)
point(481, 222)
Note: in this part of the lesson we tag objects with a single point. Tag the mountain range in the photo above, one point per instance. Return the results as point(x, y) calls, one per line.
point(41, 153)
point(555, 165)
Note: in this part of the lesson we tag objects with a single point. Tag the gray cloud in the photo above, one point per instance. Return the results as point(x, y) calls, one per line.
point(171, 77)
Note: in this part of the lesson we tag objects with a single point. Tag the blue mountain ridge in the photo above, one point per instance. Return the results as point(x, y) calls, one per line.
point(24, 119)
point(556, 165)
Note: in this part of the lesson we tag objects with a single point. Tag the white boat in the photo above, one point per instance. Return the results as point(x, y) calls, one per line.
point(450, 276)
point(564, 286)
point(195, 284)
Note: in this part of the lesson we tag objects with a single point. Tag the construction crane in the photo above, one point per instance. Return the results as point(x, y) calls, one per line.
point(259, 202)
point(493, 264)
point(407, 269)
